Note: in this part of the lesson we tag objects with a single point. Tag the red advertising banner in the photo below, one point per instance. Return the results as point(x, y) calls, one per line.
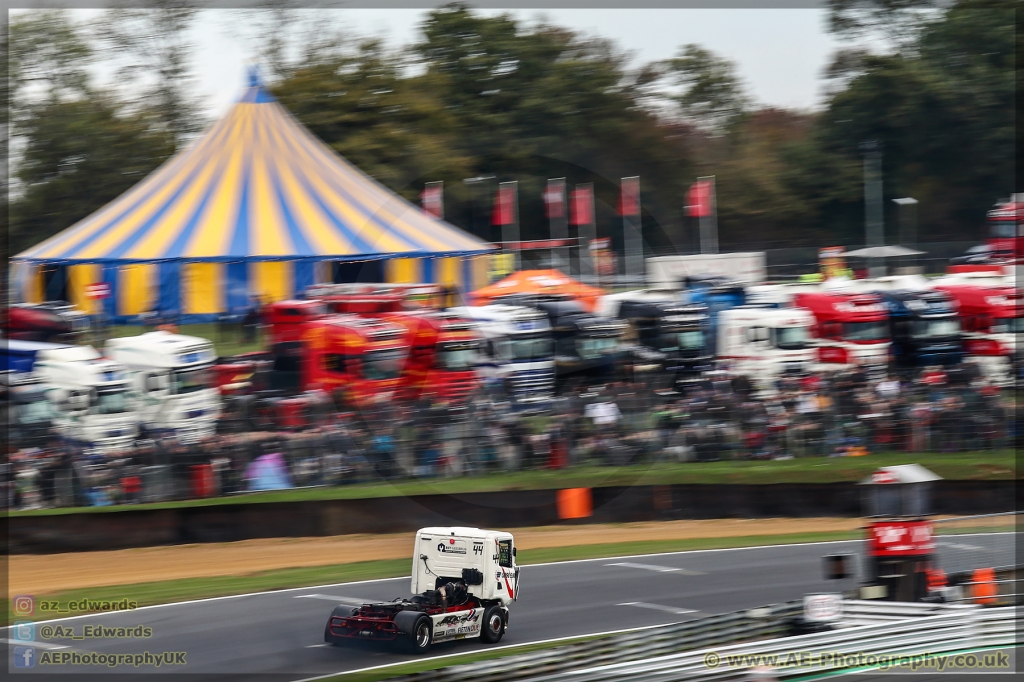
point(580, 204)
point(698, 199)
point(901, 538)
point(629, 197)
point(554, 198)
point(503, 211)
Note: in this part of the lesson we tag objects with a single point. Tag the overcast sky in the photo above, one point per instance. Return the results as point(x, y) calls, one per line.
point(780, 53)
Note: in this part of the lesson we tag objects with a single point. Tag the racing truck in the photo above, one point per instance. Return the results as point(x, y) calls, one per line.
point(463, 581)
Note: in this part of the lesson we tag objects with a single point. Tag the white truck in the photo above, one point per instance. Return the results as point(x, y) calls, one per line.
point(170, 374)
point(762, 343)
point(463, 579)
point(91, 397)
point(518, 348)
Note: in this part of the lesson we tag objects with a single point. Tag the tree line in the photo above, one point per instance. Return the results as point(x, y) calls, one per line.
point(493, 98)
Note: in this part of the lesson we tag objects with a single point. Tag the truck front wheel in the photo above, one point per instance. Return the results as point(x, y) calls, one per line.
point(494, 625)
point(419, 640)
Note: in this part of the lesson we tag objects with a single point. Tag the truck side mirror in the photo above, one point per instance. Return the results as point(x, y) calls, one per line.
point(513, 551)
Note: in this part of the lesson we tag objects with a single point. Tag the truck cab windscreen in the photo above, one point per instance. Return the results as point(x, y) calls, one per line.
point(460, 356)
point(790, 338)
point(866, 331)
point(1008, 325)
point(935, 329)
point(35, 412)
point(190, 380)
point(531, 348)
point(688, 341)
point(383, 364)
point(591, 348)
point(111, 402)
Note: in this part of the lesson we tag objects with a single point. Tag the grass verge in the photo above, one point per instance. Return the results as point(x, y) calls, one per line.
point(146, 594)
point(989, 465)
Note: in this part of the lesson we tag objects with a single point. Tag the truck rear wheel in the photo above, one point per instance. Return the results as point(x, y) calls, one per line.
point(422, 633)
point(493, 626)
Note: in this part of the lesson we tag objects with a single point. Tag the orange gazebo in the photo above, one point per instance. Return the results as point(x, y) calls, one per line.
point(550, 282)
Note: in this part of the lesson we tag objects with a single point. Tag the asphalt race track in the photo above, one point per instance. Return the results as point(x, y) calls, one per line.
point(280, 634)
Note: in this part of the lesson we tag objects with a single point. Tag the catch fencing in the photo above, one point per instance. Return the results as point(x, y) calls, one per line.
point(720, 647)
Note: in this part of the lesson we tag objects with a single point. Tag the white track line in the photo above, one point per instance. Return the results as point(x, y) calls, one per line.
point(657, 607)
point(331, 597)
point(659, 569)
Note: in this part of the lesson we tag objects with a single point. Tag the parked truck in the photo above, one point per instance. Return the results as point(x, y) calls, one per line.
point(443, 347)
point(850, 329)
point(356, 359)
point(664, 332)
point(517, 349)
point(91, 396)
point(588, 348)
point(991, 318)
point(763, 343)
point(924, 328)
point(463, 582)
point(25, 410)
point(172, 377)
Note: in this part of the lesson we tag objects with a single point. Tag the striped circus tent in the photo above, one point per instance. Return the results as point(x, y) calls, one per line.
point(256, 207)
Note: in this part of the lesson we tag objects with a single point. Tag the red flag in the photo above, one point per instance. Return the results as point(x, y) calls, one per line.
point(502, 214)
point(554, 198)
point(432, 199)
point(579, 207)
point(698, 199)
point(629, 198)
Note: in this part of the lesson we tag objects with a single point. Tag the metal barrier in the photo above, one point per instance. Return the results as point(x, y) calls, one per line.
point(700, 650)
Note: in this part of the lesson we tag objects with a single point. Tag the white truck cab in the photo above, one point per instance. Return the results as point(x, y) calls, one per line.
point(171, 375)
point(484, 559)
point(762, 343)
point(91, 397)
point(518, 348)
point(463, 580)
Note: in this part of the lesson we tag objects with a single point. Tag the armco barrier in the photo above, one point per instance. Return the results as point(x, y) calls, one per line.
point(117, 529)
point(715, 648)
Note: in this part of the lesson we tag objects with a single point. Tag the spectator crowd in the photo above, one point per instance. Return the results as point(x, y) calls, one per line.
point(620, 423)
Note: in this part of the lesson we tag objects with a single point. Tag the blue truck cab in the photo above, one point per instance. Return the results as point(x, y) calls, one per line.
point(924, 327)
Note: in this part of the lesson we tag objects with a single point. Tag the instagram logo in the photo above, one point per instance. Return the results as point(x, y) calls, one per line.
point(24, 605)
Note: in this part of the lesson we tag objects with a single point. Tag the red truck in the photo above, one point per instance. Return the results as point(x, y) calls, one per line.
point(314, 349)
point(443, 347)
point(991, 318)
point(851, 329)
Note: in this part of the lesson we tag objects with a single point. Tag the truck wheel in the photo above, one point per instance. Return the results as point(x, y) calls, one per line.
point(422, 633)
point(493, 626)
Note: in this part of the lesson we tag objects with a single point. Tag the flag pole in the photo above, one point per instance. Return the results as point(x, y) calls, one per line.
point(631, 226)
point(558, 222)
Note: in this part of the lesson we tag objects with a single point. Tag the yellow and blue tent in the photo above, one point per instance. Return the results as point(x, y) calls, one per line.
point(258, 206)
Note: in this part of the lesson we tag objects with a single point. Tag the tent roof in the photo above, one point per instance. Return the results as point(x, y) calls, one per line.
point(552, 282)
point(256, 186)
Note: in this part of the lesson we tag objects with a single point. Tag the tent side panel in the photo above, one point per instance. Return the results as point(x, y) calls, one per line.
point(304, 274)
point(80, 277)
point(136, 289)
point(271, 280)
point(237, 293)
point(169, 299)
point(404, 271)
point(202, 288)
